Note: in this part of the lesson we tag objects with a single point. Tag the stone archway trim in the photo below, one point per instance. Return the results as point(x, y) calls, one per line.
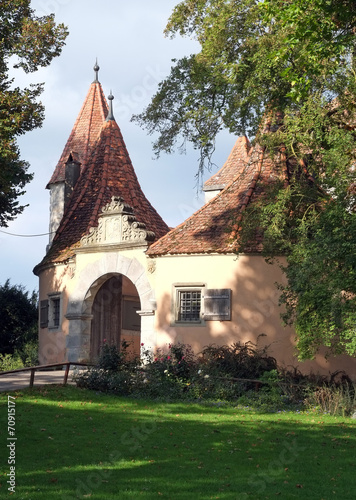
point(79, 321)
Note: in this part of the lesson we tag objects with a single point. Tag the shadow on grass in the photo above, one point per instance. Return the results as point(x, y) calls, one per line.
point(78, 444)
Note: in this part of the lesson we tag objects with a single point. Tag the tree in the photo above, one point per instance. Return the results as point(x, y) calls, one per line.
point(27, 42)
point(293, 60)
point(19, 317)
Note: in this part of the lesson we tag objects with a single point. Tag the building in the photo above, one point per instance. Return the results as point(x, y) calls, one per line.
point(114, 271)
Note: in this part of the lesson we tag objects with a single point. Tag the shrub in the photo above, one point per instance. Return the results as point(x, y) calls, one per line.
point(10, 362)
point(109, 381)
point(29, 353)
point(238, 360)
point(19, 317)
point(179, 362)
point(178, 374)
point(113, 373)
point(111, 357)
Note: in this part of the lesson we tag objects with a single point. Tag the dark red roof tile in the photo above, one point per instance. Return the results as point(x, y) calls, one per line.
point(85, 131)
point(213, 228)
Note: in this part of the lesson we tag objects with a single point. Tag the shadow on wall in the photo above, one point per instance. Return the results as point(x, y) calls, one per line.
point(254, 314)
point(255, 317)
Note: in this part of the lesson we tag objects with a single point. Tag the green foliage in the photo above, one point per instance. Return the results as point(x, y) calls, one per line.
point(180, 361)
point(111, 357)
point(28, 42)
point(113, 373)
point(317, 235)
point(29, 353)
point(254, 56)
point(237, 360)
point(108, 381)
point(316, 41)
point(179, 375)
point(320, 296)
point(10, 362)
point(19, 318)
point(26, 356)
point(242, 375)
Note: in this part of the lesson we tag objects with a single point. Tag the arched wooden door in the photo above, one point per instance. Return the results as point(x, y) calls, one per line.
point(107, 314)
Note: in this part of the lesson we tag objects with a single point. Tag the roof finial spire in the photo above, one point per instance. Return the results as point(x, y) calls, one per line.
point(96, 69)
point(111, 113)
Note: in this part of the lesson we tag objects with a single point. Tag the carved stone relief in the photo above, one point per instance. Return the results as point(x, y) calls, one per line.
point(117, 225)
point(151, 266)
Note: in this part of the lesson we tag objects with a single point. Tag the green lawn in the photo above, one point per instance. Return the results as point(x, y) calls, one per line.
point(75, 443)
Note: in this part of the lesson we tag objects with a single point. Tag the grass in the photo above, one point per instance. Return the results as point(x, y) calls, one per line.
point(74, 443)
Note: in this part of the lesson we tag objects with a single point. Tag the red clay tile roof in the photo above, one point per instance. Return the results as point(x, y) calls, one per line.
point(236, 161)
point(109, 172)
point(85, 131)
point(213, 228)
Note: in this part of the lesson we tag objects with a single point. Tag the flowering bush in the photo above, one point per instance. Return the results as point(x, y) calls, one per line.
point(179, 362)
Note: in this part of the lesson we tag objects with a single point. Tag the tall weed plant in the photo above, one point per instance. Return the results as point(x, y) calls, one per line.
point(334, 399)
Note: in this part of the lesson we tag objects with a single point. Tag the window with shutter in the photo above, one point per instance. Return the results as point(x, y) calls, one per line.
point(44, 304)
point(217, 304)
point(188, 304)
point(54, 311)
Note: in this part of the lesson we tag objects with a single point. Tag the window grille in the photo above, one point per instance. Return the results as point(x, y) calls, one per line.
point(56, 305)
point(189, 305)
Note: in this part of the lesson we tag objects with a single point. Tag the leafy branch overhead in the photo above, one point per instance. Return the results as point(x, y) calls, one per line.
point(27, 42)
point(253, 54)
point(295, 61)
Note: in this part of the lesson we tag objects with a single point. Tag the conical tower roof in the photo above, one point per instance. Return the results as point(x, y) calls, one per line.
point(109, 172)
point(86, 129)
point(213, 228)
point(237, 160)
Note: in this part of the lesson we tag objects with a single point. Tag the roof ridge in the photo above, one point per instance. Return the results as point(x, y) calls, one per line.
point(100, 196)
point(242, 143)
point(214, 200)
point(250, 191)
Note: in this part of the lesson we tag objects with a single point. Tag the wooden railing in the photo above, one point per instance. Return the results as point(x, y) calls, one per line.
point(33, 370)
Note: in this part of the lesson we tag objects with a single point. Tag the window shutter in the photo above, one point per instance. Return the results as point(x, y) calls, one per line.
point(44, 304)
point(217, 305)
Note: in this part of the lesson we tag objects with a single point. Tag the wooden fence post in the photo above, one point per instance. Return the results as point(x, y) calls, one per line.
point(32, 378)
point(66, 374)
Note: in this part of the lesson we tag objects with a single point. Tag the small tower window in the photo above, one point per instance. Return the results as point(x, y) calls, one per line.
point(54, 311)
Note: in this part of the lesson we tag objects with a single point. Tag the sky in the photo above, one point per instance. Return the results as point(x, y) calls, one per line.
point(134, 56)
